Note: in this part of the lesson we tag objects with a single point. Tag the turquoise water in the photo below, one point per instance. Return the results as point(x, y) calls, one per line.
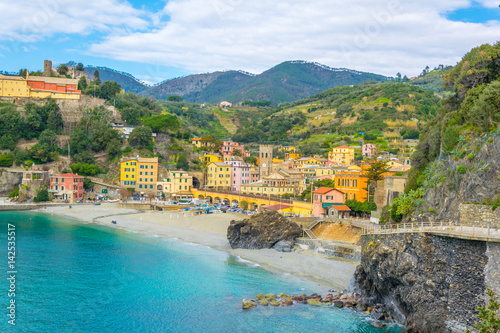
point(73, 277)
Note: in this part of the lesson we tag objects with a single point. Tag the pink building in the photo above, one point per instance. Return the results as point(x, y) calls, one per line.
point(67, 186)
point(368, 150)
point(329, 201)
point(240, 174)
point(229, 147)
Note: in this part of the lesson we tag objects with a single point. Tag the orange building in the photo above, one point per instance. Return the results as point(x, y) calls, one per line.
point(53, 84)
point(353, 184)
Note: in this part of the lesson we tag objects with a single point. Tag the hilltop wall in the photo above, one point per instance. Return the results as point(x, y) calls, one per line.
point(430, 282)
point(71, 110)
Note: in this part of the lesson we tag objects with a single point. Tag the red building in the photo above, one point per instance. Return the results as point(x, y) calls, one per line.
point(67, 186)
point(54, 84)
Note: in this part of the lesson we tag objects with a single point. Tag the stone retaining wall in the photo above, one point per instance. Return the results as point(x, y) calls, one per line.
point(335, 249)
point(471, 214)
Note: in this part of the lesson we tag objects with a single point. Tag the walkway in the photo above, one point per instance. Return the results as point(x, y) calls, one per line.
point(490, 233)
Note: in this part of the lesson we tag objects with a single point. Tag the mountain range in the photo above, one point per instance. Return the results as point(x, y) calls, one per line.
point(286, 82)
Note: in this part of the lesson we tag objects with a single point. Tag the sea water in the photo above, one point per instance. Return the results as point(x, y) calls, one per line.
point(76, 277)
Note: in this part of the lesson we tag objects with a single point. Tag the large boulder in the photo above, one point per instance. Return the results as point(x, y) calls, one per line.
point(263, 231)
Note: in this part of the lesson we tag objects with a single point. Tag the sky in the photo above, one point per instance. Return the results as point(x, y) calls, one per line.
point(159, 40)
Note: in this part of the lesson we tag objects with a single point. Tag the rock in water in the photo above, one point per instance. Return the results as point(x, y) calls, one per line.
point(247, 304)
point(263, 231)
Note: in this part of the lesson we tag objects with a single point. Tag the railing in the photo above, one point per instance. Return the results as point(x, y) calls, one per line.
point(489, 232)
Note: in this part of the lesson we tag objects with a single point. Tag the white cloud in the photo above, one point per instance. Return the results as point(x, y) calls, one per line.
point(489, 3)
point(382, 36)
point(30, 21)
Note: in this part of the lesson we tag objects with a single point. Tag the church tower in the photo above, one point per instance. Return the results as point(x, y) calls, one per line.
point(265, 160)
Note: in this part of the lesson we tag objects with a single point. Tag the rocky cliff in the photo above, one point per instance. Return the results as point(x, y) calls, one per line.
point(263, 231)
point(469, 173)
point(9, 181)
point(431, 283)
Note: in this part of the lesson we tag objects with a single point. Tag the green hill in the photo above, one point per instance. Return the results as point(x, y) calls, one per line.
point(126, 80)
point(285, 82)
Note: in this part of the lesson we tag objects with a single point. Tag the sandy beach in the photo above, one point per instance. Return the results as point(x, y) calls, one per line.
point(210, 230)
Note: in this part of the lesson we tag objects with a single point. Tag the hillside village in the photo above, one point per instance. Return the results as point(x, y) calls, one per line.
point(352, 170)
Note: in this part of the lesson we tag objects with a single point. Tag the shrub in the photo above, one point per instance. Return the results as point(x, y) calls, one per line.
point(488, 315)
point(470, 156)
point(6, 160)
point(43, 195)
point(14, 193)
point(462, 169)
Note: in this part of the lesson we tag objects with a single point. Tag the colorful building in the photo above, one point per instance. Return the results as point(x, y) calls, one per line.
point(177, 183)
point(139, 173)
point(294, 156)
point(211, 158)
point(353, 185)
point(55, 87)
point(13, 86)
point(240, 175)
point(228, 148)
point(305, 161)
point(198, 142)
point(219, 176)
point(324, 198)
point(67, 186)
point(368, 150)
point(342, 155)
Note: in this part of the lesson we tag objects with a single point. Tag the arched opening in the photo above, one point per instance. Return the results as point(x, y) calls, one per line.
point(234, 203)
point(159, 188)
point(201, 197)
point(216, 200)
point(196, 183)
point(225, 202)
point(209, 199)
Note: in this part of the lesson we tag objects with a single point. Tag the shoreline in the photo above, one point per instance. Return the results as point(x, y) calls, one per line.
point(210, 230)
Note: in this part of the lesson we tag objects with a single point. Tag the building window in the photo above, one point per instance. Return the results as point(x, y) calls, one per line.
point(140, 186)
point(150, 186)
point(146, 173)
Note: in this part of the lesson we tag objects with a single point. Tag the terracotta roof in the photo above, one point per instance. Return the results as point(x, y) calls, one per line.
point(342, 147)
point(221, 164)
point(55, 80)
point(67, 175)
point(147, 160)
point(10, 77)
point(324, 190)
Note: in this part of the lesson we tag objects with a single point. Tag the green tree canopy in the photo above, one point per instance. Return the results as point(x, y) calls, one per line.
point(175, 98)
point(62, 69)
point(141, 136)
point(79, 67)
point(162, 123)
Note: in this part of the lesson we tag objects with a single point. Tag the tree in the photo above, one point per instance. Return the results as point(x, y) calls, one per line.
point(374, 172)
point(398, 77)
point(87, 184)
point(237, 152)
point(162, 122)
point(23, 72)
point(55, 121)
point(113, 148)
point(182, 163)
point(141, 136)
point(175, 98)
point(85, 169)
point(43, 195)
point(244, 204)
point(6, 160)
point(109, 89)
point(489, 322)
point(48, 138)
point(82, 83)
point(125, 193)
point(252, 160)
point(97, 79)
point(79, 67)
point(62, 69)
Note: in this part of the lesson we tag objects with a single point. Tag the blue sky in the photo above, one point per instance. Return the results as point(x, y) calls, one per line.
point(158, 40)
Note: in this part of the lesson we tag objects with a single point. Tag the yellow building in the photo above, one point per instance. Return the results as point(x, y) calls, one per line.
point(258, 188)
point(308, 161)
point(278, 160)
point(140, 174)
point(324, 172)
point(294, 156)
point(354, 168)
point(177, 183)
point(342, 155)
point(13, 86)
point(219, 176)
point(290, 149)
point(198, 142)
point(211, 158)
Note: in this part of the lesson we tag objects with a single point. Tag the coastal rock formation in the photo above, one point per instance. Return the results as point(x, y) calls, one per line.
point(9, 181)
point(428, 282)
point(263, 231)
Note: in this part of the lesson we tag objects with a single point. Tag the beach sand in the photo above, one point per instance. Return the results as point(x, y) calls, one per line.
point(210, 230)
